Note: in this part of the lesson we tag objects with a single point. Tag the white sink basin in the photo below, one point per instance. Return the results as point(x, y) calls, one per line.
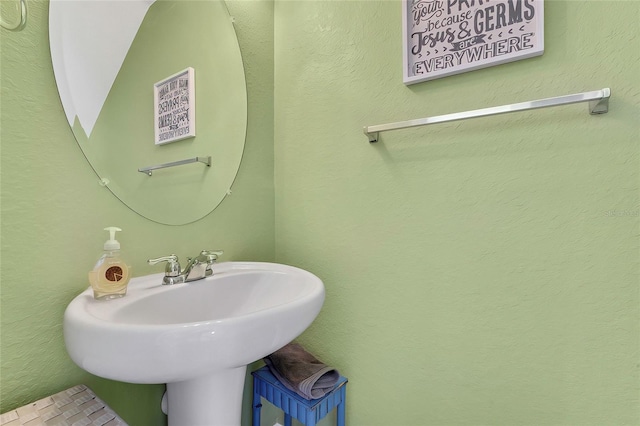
point(197, 337)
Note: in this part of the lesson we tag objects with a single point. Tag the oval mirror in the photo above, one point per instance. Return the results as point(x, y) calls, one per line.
point(146, 83)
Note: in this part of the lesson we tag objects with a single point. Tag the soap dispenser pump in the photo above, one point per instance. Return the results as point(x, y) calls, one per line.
point(110, 275)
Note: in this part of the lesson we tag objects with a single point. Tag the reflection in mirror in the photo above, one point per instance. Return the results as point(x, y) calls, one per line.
point(106, 75)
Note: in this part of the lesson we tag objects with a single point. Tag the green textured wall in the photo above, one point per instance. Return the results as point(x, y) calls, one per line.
point(482, 272)
point(479, 272)
point(53, 212)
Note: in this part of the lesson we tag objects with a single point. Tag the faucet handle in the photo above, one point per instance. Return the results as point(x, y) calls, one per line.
point(173, 266)
point(210, 256)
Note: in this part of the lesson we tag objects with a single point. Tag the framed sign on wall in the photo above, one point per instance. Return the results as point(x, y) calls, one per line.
point(175, 107)
point(446, 37)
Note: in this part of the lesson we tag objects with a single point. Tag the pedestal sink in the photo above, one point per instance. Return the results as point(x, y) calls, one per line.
point(196, 337)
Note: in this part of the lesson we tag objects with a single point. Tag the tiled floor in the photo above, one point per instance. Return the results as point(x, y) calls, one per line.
point(77, 406)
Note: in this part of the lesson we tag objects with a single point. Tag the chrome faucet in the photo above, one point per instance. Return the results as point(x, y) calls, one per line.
point(198, 267)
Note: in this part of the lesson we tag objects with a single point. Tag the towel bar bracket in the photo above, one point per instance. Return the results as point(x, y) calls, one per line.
point(373, 137)
point(599, 106)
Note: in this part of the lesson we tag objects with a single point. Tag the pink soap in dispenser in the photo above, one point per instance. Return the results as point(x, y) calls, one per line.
point(110, 276)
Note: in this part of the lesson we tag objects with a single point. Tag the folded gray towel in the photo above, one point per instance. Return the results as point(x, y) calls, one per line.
point(301, 372)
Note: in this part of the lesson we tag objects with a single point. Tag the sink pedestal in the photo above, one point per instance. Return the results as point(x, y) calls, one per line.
point(211, 400)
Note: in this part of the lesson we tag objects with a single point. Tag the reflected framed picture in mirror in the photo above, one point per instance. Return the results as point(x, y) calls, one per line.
point(175, 107)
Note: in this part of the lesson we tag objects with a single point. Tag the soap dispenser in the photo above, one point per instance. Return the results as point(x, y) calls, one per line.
point(110, 276)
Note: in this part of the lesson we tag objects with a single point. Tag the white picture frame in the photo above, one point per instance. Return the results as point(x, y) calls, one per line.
point(447, 37)
point(175, 107)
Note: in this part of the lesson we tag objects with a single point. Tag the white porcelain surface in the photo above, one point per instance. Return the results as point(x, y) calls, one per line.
point(168, 334)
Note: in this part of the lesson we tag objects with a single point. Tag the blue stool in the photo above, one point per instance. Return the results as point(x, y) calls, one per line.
point(307, 412)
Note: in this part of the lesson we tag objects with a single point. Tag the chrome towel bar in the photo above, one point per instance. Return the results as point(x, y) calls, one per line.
point(598, 104)
point(204, 160)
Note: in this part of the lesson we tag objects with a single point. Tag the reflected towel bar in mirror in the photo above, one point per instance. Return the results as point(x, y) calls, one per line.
point(598, 104)
point(204, 160)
